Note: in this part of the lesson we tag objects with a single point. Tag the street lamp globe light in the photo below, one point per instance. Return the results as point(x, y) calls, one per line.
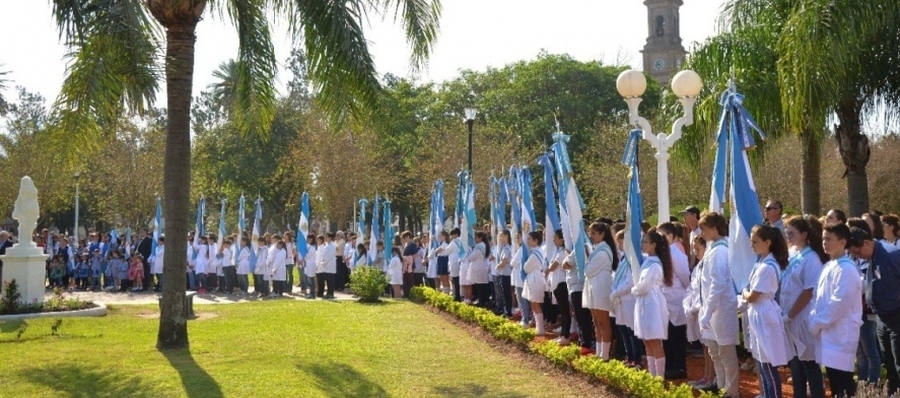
point(631, 84)
point(470, 114)
point(686, 84)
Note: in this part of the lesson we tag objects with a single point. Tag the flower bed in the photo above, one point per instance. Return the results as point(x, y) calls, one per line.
point(613, 373)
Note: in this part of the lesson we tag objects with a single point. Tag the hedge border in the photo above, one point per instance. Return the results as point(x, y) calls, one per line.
point(612, 373)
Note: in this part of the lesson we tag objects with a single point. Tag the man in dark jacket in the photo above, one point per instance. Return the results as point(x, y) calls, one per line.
point(145, 247)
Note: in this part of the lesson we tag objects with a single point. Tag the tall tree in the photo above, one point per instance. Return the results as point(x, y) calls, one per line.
point(3, 86)
point(116, 64)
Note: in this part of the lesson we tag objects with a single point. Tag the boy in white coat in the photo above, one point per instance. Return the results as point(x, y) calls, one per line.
point(243, 266)
point(260, 280)
point(157, 262)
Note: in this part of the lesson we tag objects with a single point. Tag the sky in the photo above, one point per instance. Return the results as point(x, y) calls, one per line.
point(474, 34)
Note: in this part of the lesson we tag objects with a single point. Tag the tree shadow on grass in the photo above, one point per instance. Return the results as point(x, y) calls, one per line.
point(10, 326)
point(474, 390)
point(69, 380)
point(196, 381)
point(341, 380)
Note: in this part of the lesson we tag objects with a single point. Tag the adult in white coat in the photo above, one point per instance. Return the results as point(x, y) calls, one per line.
point(837, 312)
point(676, 345)
point(798, 283)
point(767, 340)
point(651, 314)
point(718, 304)
point(603, 260)
point(535, 284)
point(623, 306)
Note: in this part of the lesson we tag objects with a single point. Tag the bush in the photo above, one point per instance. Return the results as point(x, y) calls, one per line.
point(368, 283)
point(9, 304)
point(613, 373)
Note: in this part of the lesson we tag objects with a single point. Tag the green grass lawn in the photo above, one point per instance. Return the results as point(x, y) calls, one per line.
point(283, 348)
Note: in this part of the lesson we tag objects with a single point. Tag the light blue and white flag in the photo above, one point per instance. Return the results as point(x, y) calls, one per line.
point(492, 199)
point(502, 200)
point(303, 226)
point(634, 206)
point(471, 218)
point(128, 245)
point(222, 232)
point(388, 230)
point(571, 204)
point(157, 222)
point(736, 127)
point(198, 225)
point(254, 235)
point(373, 237)
point(551, 215)
point(529, 221)
point(242, 226)
point(114, 237)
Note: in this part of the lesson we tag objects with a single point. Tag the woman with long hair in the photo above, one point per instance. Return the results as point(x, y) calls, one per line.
point(479, 269)
point(535, 284)
point(602, 262)
point(651, 314)
point(767, 340)
point(797, 283)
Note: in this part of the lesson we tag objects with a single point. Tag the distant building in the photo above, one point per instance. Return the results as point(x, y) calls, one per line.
point(663, 52)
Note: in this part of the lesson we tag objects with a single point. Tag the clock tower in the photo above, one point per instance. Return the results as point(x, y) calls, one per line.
point(663, 52)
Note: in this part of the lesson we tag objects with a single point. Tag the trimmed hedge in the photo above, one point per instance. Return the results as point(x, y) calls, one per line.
point(613, 373)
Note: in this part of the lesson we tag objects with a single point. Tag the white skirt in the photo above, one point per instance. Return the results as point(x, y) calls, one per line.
point(478, 272)
point(464, 274)
point(651, 316)
point(397, 277)
point(535, 287)
point(597, 291)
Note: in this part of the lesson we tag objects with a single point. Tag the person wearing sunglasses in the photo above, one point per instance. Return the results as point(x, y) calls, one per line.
point(772, 214)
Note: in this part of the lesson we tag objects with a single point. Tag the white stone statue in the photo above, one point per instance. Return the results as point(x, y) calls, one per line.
point(26, 209)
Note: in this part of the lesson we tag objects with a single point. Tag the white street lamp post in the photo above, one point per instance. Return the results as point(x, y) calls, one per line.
point(686, 86)
point(75, 234)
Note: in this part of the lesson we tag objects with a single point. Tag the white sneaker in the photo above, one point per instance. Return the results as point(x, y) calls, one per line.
point(558, 330)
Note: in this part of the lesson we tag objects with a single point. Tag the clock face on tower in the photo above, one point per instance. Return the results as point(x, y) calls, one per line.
point(659, 64)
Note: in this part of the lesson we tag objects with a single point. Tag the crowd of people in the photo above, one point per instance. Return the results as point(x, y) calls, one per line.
point(822, 294)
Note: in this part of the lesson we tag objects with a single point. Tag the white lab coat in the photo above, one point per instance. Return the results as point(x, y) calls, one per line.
point(598, 278)
point(320, 258)
point(243, 261)
point(262, 262)
point(396, 270)
point(431, 272)
point(621, 297)
point(573, 281)
point(202, 258)
point(767, 340)
point(309, 262)
point(718, 299)
point(557, 276)
point(515, 265)
point(691, 304)
point(452, 252)
point(651, 314)
point(329, 259)
point(535, 284)
point(278, 264)
point(479, 269)
point(802, 273)
point(157, 266)
point(271, 263)
point(837, 315)
point(681, 279)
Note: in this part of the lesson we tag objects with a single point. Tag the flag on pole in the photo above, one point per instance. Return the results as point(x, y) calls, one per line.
point(571, 204)
point(157, 222)
point(113, 237)
point(551, 216)
point(388, 232)
point(502, 200)
point(529, 221)
point(198, 225)
point(634, 206)
point(128, 244)
point(471, 218)
point(242, 226)
point(437, 220)
point(736, 127)
point(303, 225)
point(254, 235)
point(360, 229)
point(221, 227)
point(373, 237)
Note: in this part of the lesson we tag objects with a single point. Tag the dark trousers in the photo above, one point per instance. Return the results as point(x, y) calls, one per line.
point(147, 280)
point(457, 295)
point(550, 313)
point(243, 283)
point(289, 278)
point(258, 283)
point(321, 280)
point(565, 313)
point(418, 279)
point(675, 348)
point(584, 319)
point(278, 287)
point(842, 384)
point(771, 380)
point(343, 274)
point(482, 294)
point(889, 343)
point(230, 278)
point(632, 345)
point(503, 285)
point(805, 373)
point(409, 280)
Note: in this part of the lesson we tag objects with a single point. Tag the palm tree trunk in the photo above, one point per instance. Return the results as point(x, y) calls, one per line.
point(180, 39)
point(854, 148)
point(810, 177)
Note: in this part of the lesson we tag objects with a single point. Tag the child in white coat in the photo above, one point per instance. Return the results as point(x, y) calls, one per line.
point(534, 281)
point(837, 312)
point(603, 261)
point(243, 266)
point(260, 279)
point(278, 262)
point(396, 272)
point(623, 306)
point(651, 312)
point(768, 342)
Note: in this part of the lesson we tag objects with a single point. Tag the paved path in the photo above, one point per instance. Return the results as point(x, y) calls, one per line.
point(153, 298)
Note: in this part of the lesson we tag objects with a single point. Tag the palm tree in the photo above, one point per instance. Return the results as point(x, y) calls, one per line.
point(3, 86)
point(117, 61)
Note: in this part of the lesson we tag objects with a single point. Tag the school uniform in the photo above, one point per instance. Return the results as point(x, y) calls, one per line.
point(718, 315)
point(442, 257)
point(802, 273)
point(200, 263)
point(691, 304)
point(260, 281)
point(156, 265)
point(623, 306)
point(535, 284)
point(503, 280)
point(598, 278)
point(396, 271)
point(767, 340)
point(479, 270)
point(583, 318)
point(834, 322)
point(431, 271)
point(675, 345)
point(651, 313)
point(309, 271)
point(455, 251)
point(191, 283)
point(243, 268)
point(279, 270)
point(227, 271)
point(291, 249)
point(329, 267)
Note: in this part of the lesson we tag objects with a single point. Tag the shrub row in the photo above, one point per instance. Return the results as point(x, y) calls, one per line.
point(613, 373)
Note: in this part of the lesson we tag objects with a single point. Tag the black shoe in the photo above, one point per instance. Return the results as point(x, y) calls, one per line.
point(676, 375)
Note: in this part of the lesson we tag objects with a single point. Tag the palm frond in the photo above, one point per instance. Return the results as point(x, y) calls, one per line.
point(254, 92)
point(421, 22)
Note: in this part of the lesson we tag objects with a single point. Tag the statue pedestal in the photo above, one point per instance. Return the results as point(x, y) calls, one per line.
point(26, 264)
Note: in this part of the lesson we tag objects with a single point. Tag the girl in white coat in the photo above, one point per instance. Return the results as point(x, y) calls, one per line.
point(535, 283)
point(718, 304)
point(676, 345)
point(767, 340)
point(396, 272)
point(651, 314)
point(479, 269)
point(559, 287)
point(837, 312)
point(243, 266)
point(279, 261)
point(623, 306)
point(691, 306)
point(603, 260)
point(798, 282)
